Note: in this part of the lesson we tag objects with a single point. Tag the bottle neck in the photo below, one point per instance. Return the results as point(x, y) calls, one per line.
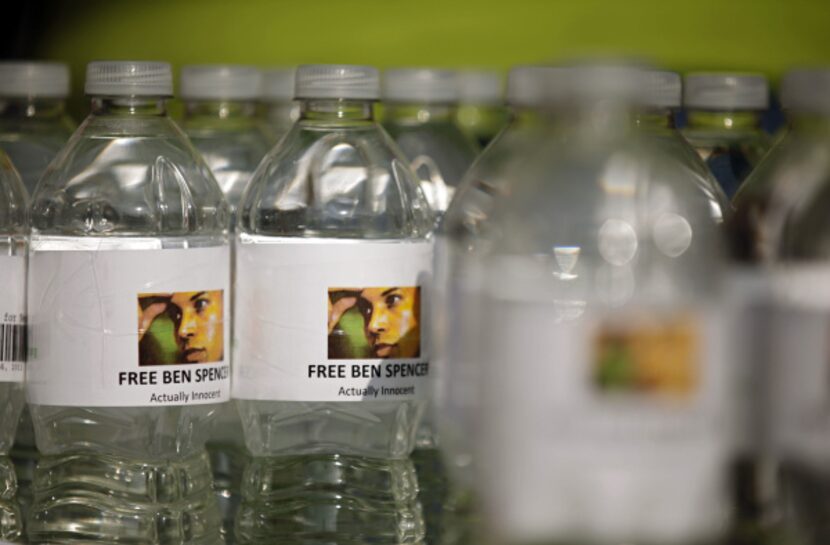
point(129, 106)
point(596, 120)
point(816, 122)
point(328, 111)
point(32, 107)
point(658, 119)
point(219, 109)
point(409, 113)
point(724, 120)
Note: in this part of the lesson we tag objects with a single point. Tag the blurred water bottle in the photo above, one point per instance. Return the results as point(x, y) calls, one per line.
point(481, 113)
point(605, 384)
point(419, 114)
point(33, 121)
point(278, 108)
point(724, 123)
point(331, 368)
point(655, 116)
point(793, 232)
point(13, 232)
point(532, 93)
point(129, 284)
point(220, 120)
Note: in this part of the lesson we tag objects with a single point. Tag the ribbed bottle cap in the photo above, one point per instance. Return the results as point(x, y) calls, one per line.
point(34, 79)
point(220, 82)
point(480, 87)
point(425, 85)
point(278, 84)
point(806, 90)
point(618, 81)
point(536, 85)
point(337, 81)
point(129, 78)
point(725, 91)
point(665, 89)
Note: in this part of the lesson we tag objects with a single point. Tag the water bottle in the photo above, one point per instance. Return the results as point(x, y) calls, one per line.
point(278, 110)
point(331, 365)
point(220, 120)
point(603, 383)
point(724, 123)
point(419, 114)
point(129, 289)
point(13, 232)
point(481, 112)
point(33, 121)
point(655, 117)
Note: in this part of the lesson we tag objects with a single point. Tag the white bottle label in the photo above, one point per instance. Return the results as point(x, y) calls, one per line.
point(331, 320)
point(12, 318)
point(128, 327)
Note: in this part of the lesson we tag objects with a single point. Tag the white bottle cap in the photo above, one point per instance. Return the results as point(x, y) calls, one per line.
point(346, 81)
point(129, 78)
point(278, 84)
point(220, 82)
point(725, 91)
point(536, 85)
point(34, 79)
point(806, 90)
point(665, 90)
point(480, 87)
point(596, 80)
point(422, 85)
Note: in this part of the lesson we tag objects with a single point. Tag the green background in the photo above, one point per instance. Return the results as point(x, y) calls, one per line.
point(763, 35)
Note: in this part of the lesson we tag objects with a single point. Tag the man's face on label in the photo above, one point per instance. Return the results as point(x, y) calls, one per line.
point(391, 321)
point(201, 326)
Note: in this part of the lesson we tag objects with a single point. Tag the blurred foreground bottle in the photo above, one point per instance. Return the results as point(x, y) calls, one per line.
point(481, 112)
point(331, 368)
point(277, 106)
point(605, 388)
point(13, 232)
point(724, 123)
point(129, 283)
point(531, 95)
point(220, 119)
point(419, 114)
point(33, 121)
point(782, 221)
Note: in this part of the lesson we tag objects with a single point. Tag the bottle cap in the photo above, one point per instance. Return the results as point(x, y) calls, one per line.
point(480, 87)
point(220, 82)
point(806, 90)
point(34, 79)
point(278, 84)
point(423, 85)
point(536, 85)
point(725, 91)
point(665, 89)
point(129, 78)
point(337, 81)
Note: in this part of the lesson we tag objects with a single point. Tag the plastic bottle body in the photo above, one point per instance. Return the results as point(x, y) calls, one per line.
point(336, 471)
point(128, 186)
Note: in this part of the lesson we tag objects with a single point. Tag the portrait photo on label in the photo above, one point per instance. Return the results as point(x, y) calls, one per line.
point(655, 358)
point(382, 322)
point(181, 327)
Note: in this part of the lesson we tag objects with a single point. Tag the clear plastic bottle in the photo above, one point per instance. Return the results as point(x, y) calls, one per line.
point(419, 113)
point(481, 113)
point(333, 230)
point(531, 96)
point(655, 117)
point(128, 283)
point(600, 369)
point(724, 123)
point(13, 232)
point(278, 110)
point(33, 121)
point(786, 199)
point(220, 120)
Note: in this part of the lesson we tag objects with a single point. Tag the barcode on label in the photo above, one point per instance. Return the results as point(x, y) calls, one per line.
point(13, 342)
